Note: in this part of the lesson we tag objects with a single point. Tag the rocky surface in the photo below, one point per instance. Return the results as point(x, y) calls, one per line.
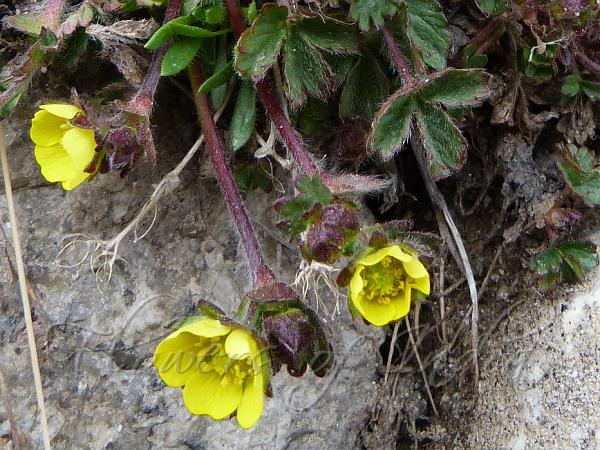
point(540, 384)
point(96, 337)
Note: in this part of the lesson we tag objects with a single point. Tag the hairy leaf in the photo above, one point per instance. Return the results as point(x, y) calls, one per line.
point(340, 66)
point(391, 127)
point(372, 12)
point(218, 94)
point(219, 78)
point(306, 71)
point(427, 31)
point(249, 177)
point(312, 116)
point(365, 89)
point(313, 189)
point(445, 145)
point(565, 261)
point(571, 85)
point(244, 114)
point(180, 26)
point(456, 88)
point(329, 35)
point(259, 45)
point(591, 89)
point(179, 56)
point(493, 6)
point(580, 175)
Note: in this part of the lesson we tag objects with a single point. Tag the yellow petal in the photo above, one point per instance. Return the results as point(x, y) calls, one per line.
point(376, 313)
point(356, 284)
point(402, 305)
point(72, 183)
point(204, 393)
point(46, 129)
point(80, 145)
point(205, 328)
point(393, 251)
point(415, 268)
point(422, 284)
point(251, 405)
point(61, 110)
point(176, 358)
point(239, 344)
point(55, 163)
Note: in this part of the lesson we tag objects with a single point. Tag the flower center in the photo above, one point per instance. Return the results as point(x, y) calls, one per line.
point(213, 357)
point(384, 281)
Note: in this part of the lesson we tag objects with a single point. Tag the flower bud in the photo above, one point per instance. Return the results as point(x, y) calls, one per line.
point(294, 333)
point(333, 228)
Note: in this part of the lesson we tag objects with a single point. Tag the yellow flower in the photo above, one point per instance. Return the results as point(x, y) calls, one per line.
point(221, 368)
point(382, 281)
point(62, 150)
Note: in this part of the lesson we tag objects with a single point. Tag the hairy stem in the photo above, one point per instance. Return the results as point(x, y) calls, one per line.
point(268, 98)
point(399, 59)
point(439, 202)
point(143, 100)
point(260, 274)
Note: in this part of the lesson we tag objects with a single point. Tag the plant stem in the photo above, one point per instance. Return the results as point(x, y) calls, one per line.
point(267, 97)
point(260, 274)
point(143, 100)
point(399, 59)
point(439, 202)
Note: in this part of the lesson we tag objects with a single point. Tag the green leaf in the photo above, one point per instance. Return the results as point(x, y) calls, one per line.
point(391, 126)
point(493, 6)
point(251, 12)
point(456, 88)
point(219, 94)
point(75, 47)
point(7, 107)
point(427, 31)
point(591, 89)
point(445, 145)
point(179, 56)
point(312, 116)
point(368, 12)
point(565, 261)
point(340, 66)
point(164, 33)
point(314, 191)
point(249, 177)
point(571, 86)
point(216, 15)
point(329, 35)
point(26, 23)
point(365, 89)
point(258, 47)
point(219, 78)
point(244, 114)
point(306, 71)
point(580, 175)
point(583, 252)
point(180, 29)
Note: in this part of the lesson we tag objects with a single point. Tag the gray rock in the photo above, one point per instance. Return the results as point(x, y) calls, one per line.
point(96, 338)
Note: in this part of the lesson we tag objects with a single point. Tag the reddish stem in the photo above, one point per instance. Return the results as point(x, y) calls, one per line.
point(143, 100)
point(259, 272)
point(587, 61)
point(399, 59)
point(269, 100)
